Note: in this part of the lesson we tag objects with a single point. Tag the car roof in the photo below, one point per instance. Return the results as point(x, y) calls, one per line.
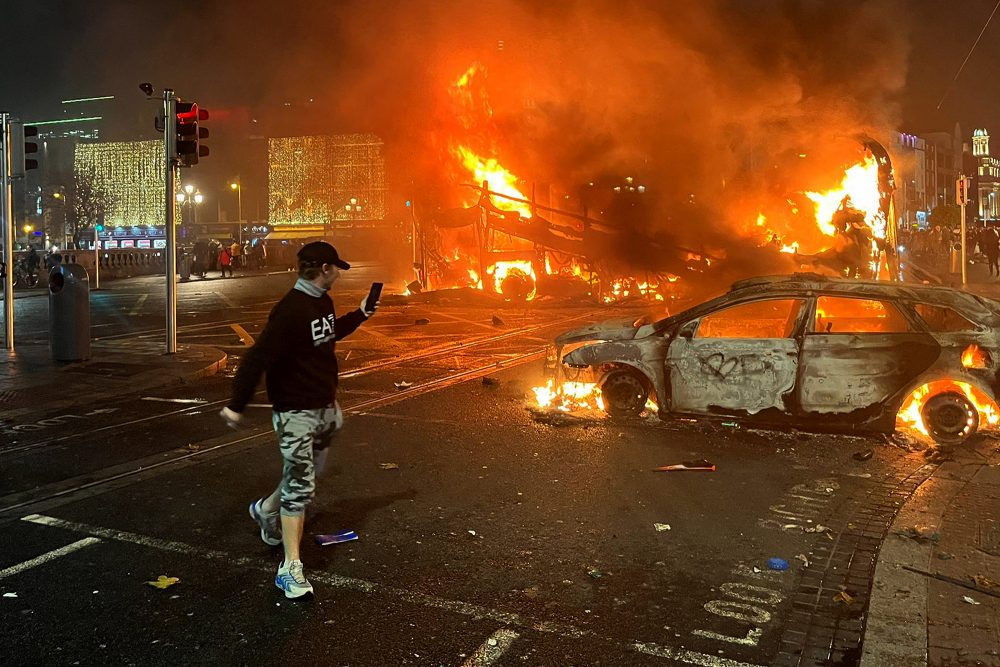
point(969, 304)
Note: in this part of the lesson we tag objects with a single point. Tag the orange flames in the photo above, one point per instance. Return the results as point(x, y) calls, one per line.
point(515, 278)
point(860, 184)
point(974, 357)
point(569, 396)
point(909, 416)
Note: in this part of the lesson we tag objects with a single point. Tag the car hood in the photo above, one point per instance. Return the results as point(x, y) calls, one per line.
point(618, 329)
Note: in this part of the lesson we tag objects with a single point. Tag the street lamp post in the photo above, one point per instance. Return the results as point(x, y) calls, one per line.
point(237, 185)
point(192, 198)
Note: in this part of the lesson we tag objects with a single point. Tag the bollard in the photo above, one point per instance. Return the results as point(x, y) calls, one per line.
point(69, 313)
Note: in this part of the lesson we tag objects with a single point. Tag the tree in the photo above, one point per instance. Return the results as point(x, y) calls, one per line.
point(946, 215)
point(86, 207)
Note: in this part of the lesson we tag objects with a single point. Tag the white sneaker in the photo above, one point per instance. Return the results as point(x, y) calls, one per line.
point(292, 580)
point(270, 525)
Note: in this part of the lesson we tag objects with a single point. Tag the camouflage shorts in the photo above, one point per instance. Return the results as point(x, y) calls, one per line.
point(299, 433)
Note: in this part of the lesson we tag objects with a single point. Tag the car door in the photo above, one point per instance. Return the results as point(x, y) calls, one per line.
point(739, 359)
point(857, 352)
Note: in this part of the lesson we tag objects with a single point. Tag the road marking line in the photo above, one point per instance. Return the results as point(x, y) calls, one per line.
point(478, 612)
point(242, 333)
point(138, 305)
point(46, 557)
point(229, 302)
point(492, 649)
point(174, 400)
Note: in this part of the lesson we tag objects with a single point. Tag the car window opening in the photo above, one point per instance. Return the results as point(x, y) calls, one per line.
point(773, 318)
point(839, 315)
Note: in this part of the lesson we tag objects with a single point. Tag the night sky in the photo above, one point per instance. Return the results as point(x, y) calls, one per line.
point(248, 53)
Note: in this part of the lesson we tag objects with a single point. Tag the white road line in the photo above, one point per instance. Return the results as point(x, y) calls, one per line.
point(138, 305)
point(46, 557)
point(413, 597)
point(492, 649)
point(174, 400)
point(229, 302)
point(242, 333)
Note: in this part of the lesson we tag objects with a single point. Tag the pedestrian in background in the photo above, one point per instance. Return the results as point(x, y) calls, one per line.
point(297, 352)
point(989, 244)
point(226, 261)
point(236, 252)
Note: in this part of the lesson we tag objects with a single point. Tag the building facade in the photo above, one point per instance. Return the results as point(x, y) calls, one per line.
point(326, 179)
point(986, 179)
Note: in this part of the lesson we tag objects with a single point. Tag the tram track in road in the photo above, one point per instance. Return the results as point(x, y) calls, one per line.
point(374, 367)
point(133, 471)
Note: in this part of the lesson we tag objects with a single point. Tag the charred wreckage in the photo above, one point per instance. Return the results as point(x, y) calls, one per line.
point(807, 351)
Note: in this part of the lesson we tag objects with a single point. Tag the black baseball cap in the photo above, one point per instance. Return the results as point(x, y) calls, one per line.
point(319, 253)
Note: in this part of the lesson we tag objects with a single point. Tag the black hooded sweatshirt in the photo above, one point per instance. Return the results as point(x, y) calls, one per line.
point(296, 350)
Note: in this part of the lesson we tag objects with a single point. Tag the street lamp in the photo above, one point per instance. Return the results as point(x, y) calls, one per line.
point(237, 186)
point(192, 198)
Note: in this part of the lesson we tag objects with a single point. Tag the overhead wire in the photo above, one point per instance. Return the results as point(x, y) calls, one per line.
point(974, 45)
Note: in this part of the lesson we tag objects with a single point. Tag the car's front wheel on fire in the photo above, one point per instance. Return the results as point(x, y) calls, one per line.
point(624, 392)
point(950, 418)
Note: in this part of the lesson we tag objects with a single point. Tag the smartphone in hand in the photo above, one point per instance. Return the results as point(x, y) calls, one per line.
point(373, 296)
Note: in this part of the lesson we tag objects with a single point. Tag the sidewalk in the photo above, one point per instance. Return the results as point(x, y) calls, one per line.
point(936, 594)
point(30, 379)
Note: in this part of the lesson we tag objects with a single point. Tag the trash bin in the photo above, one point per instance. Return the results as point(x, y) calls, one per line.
point(956, 258)
point(69, 313)
point(184, 266)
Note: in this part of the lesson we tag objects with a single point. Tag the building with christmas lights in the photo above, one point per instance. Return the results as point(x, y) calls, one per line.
point(329, 180)
point(125, 180)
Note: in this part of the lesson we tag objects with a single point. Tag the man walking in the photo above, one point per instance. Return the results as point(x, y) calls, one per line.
point(989, 244)
point(296, 350)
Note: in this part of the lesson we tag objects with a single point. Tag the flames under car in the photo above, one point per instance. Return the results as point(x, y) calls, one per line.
point(806, 351)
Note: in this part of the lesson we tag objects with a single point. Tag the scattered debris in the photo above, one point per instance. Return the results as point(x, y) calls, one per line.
point(553, 417)
point(497, 322)
point(920, 534)
point(422, 320)
point(336, 538)
point(403, 384)
point(756, 570)
point(388, 466)
point(162, 581)
point(864, 456)
point(472, 532)
point(985, 582)
point(777, 564)
point(969, 600)
point(531, 592)
point(10, 595)
point(660, 527)
point(805, 561)
point(490, 381)
point(595, 573)
point(700, 464)
point(843, 596)
point(193, 447)
point(731, 424)
point(935, 455)
point(945, 555)
point(818, 528)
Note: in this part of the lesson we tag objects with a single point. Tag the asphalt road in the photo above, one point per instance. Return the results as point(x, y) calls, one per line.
point(495, 537)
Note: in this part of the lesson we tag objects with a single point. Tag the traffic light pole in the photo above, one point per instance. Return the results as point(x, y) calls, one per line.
point(7, 216)
point(170, 173)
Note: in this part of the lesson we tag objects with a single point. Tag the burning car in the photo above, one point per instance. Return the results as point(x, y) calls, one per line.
point(816, 353)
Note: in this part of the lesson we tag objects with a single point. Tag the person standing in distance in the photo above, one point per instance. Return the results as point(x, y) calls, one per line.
point(297, 351)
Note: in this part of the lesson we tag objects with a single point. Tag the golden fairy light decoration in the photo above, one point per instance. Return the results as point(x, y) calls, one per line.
point(129, 177)
point(326, 178)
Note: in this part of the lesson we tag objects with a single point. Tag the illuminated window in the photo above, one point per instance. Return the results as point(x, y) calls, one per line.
point(774, 318)
point(942, 319)
point(839, 315)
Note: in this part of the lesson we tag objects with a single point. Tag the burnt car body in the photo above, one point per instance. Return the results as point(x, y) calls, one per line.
point(803, 350)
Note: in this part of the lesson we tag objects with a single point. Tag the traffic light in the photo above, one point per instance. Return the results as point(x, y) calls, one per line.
point(962, 190)
point(99, 227)
point(190, 134)
point(30, 132)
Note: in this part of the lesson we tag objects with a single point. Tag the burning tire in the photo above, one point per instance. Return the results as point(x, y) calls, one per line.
point(624, 392)
point(950, 418)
